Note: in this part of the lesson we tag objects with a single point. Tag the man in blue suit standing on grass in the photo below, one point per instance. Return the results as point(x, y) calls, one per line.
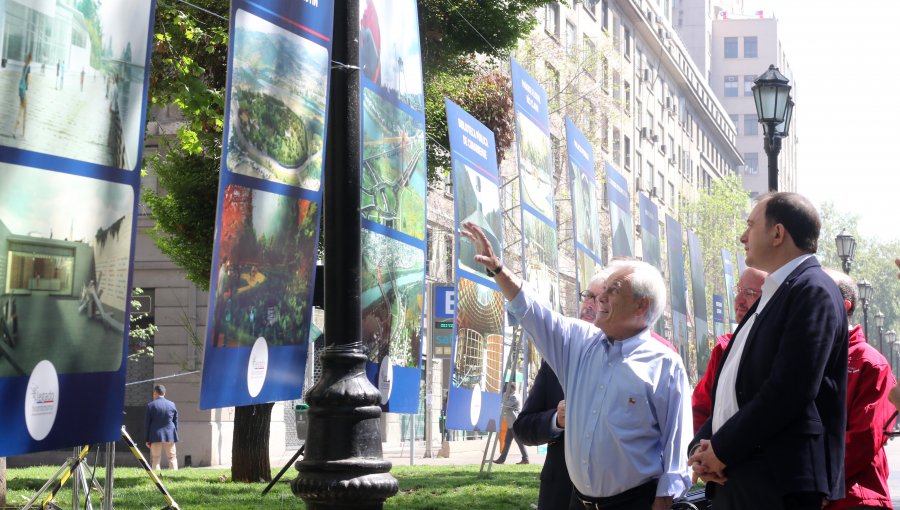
point(162, 429)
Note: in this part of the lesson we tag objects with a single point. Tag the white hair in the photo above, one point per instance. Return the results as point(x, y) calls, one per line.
point(646, 282)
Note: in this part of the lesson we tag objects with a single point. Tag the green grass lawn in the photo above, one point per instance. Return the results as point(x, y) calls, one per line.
point(421, 487)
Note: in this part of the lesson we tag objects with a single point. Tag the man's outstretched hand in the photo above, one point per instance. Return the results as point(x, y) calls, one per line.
point(484, 252)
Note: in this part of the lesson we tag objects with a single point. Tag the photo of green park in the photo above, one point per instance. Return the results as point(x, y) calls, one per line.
point(393, 167)
point(393, 293)
point(535, 166)
point(277, 108)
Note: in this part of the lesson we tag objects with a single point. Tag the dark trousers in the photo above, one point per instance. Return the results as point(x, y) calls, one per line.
point(637, 498)
point(510, 435)
point(751, 486)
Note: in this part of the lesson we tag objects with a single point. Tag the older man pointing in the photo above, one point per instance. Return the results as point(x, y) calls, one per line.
point(628, 412)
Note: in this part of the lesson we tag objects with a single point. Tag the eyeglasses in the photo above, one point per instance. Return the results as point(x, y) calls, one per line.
point(587, 295)
point(748, 293)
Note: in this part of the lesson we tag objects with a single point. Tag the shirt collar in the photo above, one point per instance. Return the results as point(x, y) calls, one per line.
point(777, 277)
point(628, 345)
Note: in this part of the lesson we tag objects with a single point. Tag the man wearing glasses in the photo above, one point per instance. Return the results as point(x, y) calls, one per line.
point(746, 292)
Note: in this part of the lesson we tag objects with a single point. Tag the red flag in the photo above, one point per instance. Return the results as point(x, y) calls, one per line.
point(724, 14)
point(760, 14)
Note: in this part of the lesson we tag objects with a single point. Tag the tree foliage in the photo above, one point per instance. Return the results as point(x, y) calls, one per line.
point(718, 217)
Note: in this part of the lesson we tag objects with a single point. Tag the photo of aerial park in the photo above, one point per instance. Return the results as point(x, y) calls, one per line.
point(541, 258)
point(64, 247)
point(535, 166)
point(477, 201)
point(393, 293)
point(277, 113)
point(587, 267)
point(393, 167)
point(264, 271)
point(478, 360)
point(393, 65)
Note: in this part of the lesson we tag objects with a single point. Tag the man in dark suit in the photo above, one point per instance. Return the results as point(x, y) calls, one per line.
point(162, 428)
point(776, 436)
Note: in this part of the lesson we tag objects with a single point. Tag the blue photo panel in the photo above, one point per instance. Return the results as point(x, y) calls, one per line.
point(478, 356)
point(650, 242)
point(586, 220)
point(718, 314)
point(533, 144)
point(728, 270)
point(392, 199)
point(70, 160)
point(620, 220)
point(270, 201)
point(698, 291)
point(677, 286)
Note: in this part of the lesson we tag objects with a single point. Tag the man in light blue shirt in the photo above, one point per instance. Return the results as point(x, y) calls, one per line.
point(628, 413)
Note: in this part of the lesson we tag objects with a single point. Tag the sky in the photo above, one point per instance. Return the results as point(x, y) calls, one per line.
point(843, 55)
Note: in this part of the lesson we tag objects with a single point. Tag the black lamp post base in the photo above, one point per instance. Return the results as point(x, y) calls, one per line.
point(343, 466)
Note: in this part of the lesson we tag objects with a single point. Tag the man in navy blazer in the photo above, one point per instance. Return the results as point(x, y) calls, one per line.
point(776, 435)
point(162, 428)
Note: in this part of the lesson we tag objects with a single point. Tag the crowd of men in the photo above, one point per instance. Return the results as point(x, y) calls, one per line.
point(791, 412)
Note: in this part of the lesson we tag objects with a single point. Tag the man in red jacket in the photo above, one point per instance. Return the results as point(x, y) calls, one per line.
point(746, 293)
point(869, 379)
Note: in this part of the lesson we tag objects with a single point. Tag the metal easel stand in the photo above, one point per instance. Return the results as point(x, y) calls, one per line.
point(172, 505)
point(58, 480)
point(494, 437)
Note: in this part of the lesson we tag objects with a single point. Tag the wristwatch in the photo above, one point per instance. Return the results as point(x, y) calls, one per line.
point(495, 271)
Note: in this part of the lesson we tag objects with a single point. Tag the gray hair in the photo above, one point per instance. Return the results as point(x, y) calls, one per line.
point(847, 286)
point(646, 282)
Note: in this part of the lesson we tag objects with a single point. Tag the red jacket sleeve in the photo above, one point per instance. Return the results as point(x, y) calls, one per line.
point(701, 399)
point(867, 413)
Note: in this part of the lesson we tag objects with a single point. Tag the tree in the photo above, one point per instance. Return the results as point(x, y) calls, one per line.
point(718, 217)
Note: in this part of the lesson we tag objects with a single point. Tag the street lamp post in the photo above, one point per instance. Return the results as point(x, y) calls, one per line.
point(879, 323)
point(846, 248)
point(774, 109)
point(891, 339)
point(343, 466)
point(865, 294)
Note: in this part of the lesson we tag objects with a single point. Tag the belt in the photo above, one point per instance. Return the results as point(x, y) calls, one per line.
point(599, 503)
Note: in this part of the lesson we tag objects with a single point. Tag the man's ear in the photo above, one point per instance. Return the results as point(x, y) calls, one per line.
point(847, 305)
point(779, 235)
point(642, 306)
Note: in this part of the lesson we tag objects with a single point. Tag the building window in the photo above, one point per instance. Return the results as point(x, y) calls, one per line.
point(750, 50)
point(671, 195)
point(627, 43)
point(731, 86)
point(627, 87)
point(553, 92)
point(571, 38)
point(638, 169)
point(551, 19)
point(590, 57)
point(751, 163)
point(617, 86)
point(604, 133)
point(638, 114)
point(591, 7)
point(604, 73)
point(616, 33)
point(661, 186)
point(751, 125)
point(627, 142)
point(735, 118)
point(617, 147)
point(604, 22)
point(731, 47)
point(749, 81)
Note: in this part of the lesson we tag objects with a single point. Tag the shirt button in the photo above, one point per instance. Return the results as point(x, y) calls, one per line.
point(584, 462)
point(595, 411)
point(602, 386)
point(609, 364)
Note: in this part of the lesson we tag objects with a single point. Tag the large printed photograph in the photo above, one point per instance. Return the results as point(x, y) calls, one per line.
point(698, 293)
point(392, 62)
point(477, 201)
point(72, 80)
point(650, 242)
point(279, 85)
point(393, 167)
point(536, 166)
point(587, 221)
point(620, 219)
point(541, 259)
point(65, 246)
point(728, 272)
point(393, 293)
point(264, 274)
point(478, 358)
point(587, 267)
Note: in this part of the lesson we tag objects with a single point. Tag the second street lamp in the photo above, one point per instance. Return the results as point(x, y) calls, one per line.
point(879, 323)
point(891, 339)
point(846, 248)
point(866, 291)
point(774, 109)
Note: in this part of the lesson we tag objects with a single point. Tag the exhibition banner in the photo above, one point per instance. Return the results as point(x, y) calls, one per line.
point(741, 264)
point(728, 270)
point(270, 200)
point(75, 76)
point(474, 398)
point(677, 286)
point(620, 220)
point(392, 199)
point(718, 315)
point(650, 242)
point(698, 291)
point(585, 219)
point(539, 242)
